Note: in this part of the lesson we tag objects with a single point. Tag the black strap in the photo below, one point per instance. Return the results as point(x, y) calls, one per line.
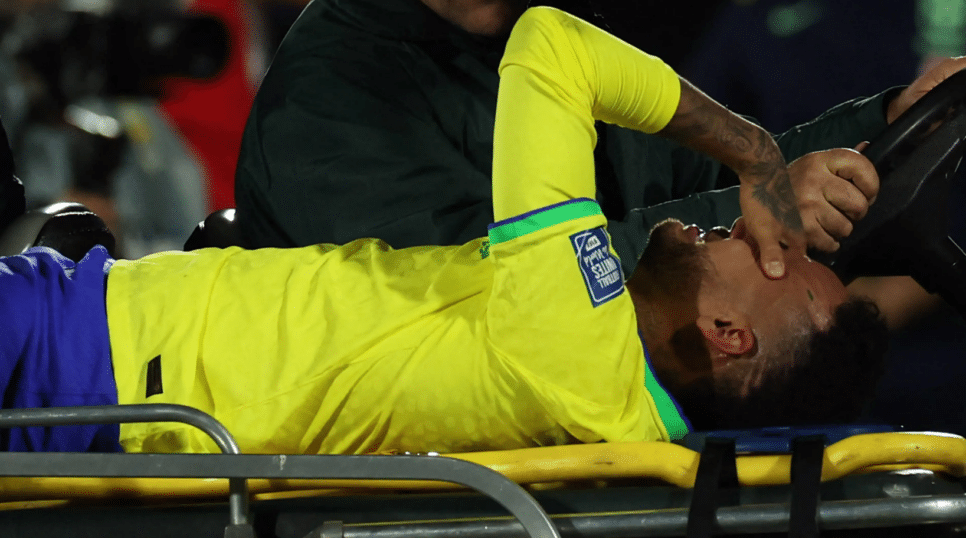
point(716, 484)
point(808, 453)
point(12, 202)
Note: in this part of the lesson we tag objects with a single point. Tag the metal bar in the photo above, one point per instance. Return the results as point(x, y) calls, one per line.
point(506, 492)
point(123, 414)
point(771, 518)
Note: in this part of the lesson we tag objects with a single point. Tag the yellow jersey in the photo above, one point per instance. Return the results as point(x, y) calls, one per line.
point(524, 338)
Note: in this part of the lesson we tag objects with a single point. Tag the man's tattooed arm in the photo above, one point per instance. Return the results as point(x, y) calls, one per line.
point(704, 125)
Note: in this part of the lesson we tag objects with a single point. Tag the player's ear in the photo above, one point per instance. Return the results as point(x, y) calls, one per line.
point(728, 335)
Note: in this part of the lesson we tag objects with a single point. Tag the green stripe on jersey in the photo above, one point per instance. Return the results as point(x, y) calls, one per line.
point(668, 411)
point(514, 228)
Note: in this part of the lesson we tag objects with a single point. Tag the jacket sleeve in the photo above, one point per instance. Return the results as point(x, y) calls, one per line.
point(843, 126)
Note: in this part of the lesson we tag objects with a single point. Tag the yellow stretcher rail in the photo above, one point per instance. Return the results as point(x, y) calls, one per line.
point(666, 462)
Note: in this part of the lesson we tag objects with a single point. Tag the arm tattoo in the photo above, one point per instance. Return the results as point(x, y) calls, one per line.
point(699, 124)
point(735, 135)
point(777, 195)
point(702, 124)
point(690, 123)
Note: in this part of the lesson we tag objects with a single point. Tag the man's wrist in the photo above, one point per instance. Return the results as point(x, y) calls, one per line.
point(891, 104)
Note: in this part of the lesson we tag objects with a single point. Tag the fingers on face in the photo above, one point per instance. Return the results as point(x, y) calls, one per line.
point(773, 260)
point(771, 240)
point(770, 243)
point(753, 235)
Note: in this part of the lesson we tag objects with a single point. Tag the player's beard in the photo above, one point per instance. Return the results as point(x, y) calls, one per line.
point(673, 267)
point(672, 271)
point(668, 277)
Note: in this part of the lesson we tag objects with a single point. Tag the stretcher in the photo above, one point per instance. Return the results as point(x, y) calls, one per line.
point(863, 480)
point(848, 480)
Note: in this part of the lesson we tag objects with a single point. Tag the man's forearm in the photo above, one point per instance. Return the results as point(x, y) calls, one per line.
point(704, 125)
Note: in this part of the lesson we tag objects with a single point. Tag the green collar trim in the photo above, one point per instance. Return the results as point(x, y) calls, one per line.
point(670, 412)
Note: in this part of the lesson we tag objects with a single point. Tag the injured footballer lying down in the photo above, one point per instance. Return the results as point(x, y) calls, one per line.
point(529, 336)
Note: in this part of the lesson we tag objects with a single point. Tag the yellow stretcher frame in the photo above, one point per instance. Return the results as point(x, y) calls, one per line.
point(534, 467)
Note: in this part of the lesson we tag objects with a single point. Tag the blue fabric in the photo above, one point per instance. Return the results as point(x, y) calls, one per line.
point(54, 346)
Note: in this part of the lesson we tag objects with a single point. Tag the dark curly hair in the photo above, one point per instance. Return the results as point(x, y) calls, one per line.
point(833, 375)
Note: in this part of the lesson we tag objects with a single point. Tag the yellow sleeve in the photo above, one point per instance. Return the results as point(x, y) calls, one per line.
point(557, 76)
point(558, 316)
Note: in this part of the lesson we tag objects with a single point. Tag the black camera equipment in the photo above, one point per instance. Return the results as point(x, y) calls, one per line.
point(119, 53)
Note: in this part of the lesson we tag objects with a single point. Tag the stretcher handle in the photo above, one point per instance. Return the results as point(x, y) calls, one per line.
point(906, 230)
point(493, 484)
point(137, 413)
point(122, 414)
point(887, 150)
